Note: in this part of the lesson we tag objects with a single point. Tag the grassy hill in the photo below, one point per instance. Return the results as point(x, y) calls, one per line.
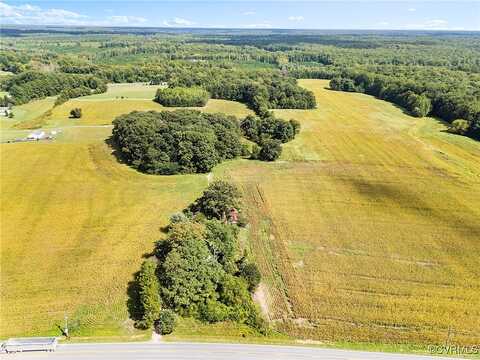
point(367, 229)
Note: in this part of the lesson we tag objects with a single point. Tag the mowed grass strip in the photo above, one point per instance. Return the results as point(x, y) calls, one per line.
point(369, 228)
point(103, 112)
point(126, 91)
point(75, 225)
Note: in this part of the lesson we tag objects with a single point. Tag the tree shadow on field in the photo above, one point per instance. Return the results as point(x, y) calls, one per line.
point(115, 150)
point(133, 301)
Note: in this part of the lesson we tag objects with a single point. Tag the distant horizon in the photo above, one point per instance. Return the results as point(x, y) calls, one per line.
point(232, 28)
point(404, 15)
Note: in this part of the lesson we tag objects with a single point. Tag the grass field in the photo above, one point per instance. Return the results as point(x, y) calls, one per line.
point(103, 112)
point(367, 229)
point(102, 109)
point(75, 224)
point(127, 91)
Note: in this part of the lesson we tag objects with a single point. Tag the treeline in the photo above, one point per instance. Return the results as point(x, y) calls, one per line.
point(72, 93)
point(179, 96)
point(421, 98)
point(33, 85)
point(258, 89)
point(199, 270)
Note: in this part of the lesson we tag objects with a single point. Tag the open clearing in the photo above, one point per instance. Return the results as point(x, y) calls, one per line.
point(103, 112)
point(102, 109)
point(127, 91)
point(367, 229)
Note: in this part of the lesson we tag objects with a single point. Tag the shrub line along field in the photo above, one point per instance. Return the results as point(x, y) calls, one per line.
point(366, 230)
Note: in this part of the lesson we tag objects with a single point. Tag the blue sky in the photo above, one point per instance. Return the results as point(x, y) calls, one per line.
point(420, 15)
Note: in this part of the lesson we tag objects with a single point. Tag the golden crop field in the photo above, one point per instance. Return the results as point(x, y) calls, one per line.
point(103, 112)
point(369, 229)
point(127, 91)
point(75, 224)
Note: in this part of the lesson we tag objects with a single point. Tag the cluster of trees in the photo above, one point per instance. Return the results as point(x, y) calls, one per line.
point(180, 96)
point(76, 113)
point(31, 85)
point(199, 270)
point(269, 132)
point(188, 141)
point(180, 141)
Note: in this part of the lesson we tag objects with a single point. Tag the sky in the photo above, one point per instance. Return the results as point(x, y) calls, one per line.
point(358, 14)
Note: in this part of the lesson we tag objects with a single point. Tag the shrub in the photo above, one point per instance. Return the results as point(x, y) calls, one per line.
point(181, 96)
point(459, 126)
point(214, 311)
point(76, 113)
point(217, 200)
point(165, 324)
point(255, 154)
point(149, 294)
point(295, 125)
point(343, 84)
point(271, 150)
point(178, 217)
point(251, 274)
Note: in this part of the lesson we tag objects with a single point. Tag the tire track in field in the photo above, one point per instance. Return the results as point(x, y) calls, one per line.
point(268, 243)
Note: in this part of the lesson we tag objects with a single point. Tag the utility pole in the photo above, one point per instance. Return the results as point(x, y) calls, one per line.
point(66, 326)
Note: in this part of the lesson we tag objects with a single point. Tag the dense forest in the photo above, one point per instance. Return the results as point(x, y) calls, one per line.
point(427, 73)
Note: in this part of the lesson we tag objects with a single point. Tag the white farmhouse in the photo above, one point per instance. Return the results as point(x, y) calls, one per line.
point(38, 135)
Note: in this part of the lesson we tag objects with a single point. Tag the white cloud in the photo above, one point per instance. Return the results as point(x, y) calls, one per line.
point(30, 14)
point(249, 13)
point(263, 25)
point(178, 22)
point(296, 18)
point(383, 23)
point(126, 20)
point(34, 15)
point(412, 9)
point(434, 24)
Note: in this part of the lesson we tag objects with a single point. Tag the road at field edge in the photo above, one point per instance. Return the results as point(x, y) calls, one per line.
point(190, 351)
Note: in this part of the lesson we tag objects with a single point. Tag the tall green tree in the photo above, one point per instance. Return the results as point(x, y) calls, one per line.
point(149, 294)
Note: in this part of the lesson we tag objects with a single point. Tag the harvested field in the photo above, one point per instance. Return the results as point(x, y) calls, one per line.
point(369, 229)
